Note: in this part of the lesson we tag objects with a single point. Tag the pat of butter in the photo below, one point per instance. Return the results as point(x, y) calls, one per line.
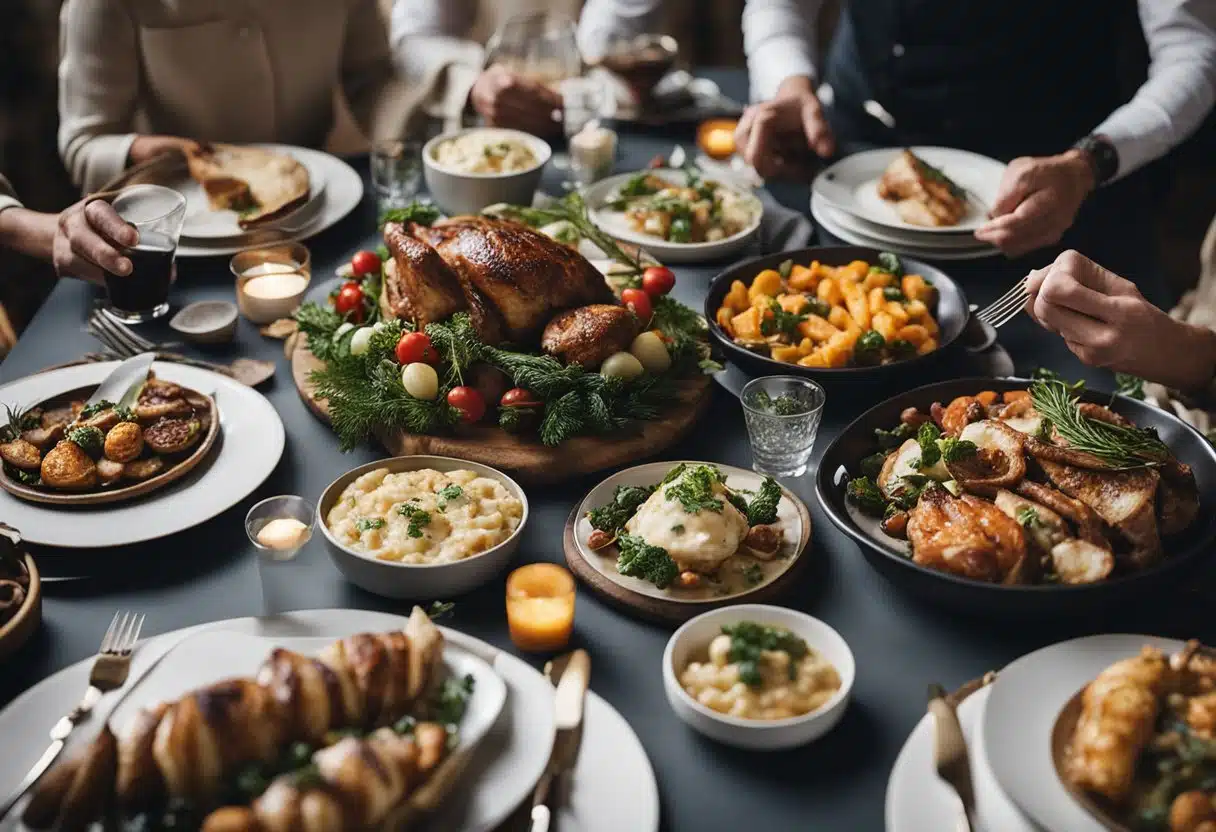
point(283, 533)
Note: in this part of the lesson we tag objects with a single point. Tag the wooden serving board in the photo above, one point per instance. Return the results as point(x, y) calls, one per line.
point(525, 457)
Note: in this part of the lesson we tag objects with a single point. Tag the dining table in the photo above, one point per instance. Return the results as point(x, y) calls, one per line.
point(901, 644)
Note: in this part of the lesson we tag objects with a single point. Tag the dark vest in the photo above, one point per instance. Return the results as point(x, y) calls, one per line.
point(1000, 77)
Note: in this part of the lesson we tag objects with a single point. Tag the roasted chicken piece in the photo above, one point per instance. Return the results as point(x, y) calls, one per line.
point(589, 334)
point(1118, 711)
point(1177, 498)
point(922, 194)
point(999, 461)
point(958, 414)
point(419, 286)
point(965, 535)
point(1074, 561)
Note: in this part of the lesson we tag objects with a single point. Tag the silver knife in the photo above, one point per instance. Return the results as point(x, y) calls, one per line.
point(124, 380)
point(568, 707)
point(950, 755)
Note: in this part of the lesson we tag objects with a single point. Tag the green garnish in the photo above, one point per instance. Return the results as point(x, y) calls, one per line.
point(890, 439)
point(92, 410)
point(864, 494)
point(785, 268)
point(90, 439)
point(1130, 386)
point(638, 559)
point(782, 322)
point(815, 306)
point(422, 213)
point(364, 524)
point(453, 699)
point(1119, 447)
point(956, 450)
point(927, 436)
point(901, 349)
point(888, 263)
point(748, 641)
point(417, 517)
point(449, 493)
point(762, 510)
point(868, 349)
point(1044, 374)
point(893, 293)
point(695, 489)
point(753, 573)
point(611, 517)
point(1028, 517)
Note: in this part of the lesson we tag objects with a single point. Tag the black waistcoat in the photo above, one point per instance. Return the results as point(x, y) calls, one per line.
point(1001, 77)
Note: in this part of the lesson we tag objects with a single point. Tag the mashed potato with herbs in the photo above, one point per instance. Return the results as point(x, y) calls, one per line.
point(485, 151)
point(423, 517)
point(700, 540)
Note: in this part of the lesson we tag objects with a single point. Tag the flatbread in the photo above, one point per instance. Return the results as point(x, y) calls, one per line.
point(260, 184)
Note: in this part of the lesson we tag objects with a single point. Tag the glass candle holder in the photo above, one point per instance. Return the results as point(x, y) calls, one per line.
point(540, 607)
point(783, 415)
point(396, 166)
point(278, 528)
point(271, 281)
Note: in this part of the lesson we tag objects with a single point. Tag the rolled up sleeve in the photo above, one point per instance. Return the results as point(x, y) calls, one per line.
point(98, 89)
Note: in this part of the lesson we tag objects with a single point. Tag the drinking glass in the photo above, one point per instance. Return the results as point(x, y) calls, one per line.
point(782, 436)
point(157, 214)
point(274, 561)
point(540, 46)
point(396, 172)
point(592, 150)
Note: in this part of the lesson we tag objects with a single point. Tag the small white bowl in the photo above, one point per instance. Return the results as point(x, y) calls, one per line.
point(206, 322)
point(468, 193)
point(414, 581)
point(690, 643)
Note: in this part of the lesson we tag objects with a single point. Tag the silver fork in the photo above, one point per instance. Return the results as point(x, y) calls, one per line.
point(1005, 308)
point(125, 340)
point(109, 672)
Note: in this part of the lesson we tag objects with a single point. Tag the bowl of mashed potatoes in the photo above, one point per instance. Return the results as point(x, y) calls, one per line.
point(468, 170)
point(422, 527)
point(758, 677)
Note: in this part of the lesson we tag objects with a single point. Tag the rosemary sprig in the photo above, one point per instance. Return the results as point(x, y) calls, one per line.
point(573, 210)
point(1120, 447)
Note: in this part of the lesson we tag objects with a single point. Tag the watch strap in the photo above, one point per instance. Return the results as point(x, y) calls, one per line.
point(1102, 156)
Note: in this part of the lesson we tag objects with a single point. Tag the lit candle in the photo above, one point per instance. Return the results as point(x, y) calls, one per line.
point(540, 607)
point(717, 138)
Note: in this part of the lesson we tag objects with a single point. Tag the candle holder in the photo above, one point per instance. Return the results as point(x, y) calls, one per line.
point(540, 607)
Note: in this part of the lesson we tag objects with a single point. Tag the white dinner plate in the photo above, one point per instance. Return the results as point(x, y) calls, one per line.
point(614, 222)
point(246, 452)
point(342, 194)
point(820, 212)
point(504, 769)
point(203, 223)
point(1026, 699)
point(920, 801)
point(851, 185)
point(894, 237)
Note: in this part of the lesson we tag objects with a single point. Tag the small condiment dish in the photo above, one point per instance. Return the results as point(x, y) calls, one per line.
point(289, 259)
point(691, 643)
point(420, 581)
point(206, 322)
point(468, 193)
point(287, 506)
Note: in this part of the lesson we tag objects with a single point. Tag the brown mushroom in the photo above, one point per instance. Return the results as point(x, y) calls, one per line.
point(43, 437)
point(66, 466)
point(172, 436)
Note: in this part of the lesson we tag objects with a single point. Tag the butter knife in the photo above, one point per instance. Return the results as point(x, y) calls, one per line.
point(123, 379)
point(950, 755)
point(568, 706)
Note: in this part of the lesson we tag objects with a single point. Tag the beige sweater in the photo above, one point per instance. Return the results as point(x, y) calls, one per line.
point(219, 70)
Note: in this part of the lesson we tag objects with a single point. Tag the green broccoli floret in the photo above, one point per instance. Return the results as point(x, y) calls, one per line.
point(865, 495)
point(611, 517)
point(956, 450)
point(907, 490)
point(90, 439)
point(926, 437)
point(762, 510)
point(893, 293)
point(868, 349)
point(638, 559)
point(901, 349)
point(889, 439)
point(889, 263)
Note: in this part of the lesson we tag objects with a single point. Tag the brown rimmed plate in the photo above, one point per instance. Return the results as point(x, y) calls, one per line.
point(179, 467)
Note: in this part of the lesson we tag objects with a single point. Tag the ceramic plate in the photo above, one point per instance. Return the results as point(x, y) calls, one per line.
point(825, 216)
point(203, 223)
point(504, 770)
point(248, 449)
point(792, 517)
point(891, 236)
point(1026, 699)
point(850, 185)
point(614, 223)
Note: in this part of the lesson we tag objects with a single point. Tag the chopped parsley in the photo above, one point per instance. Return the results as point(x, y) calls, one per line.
point(1028, 517)
point(694, 489)
point(748, 640)
point(611, 517)
point(417, 517)
point(364, 524)
point(782, 322)
point(753, 573)
point(448, 494)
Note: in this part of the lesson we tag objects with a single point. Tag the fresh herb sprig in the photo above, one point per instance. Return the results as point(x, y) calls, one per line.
point(694, 489)
point(749, 640)
point(1120, 447)
point(417, 518)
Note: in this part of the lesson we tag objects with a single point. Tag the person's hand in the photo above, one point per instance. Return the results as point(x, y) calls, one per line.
point(1106, 322)
point(1037, 202)
point(505, 99)
point(776, 136)
point(87, 242)
point(149, 147)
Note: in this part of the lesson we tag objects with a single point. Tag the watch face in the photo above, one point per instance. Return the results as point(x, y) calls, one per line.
point(1105, 157)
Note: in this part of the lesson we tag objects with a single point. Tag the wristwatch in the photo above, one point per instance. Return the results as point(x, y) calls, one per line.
point(1102, 156)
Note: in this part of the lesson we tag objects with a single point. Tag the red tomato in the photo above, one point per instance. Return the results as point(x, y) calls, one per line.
point(519, 397)
point(639, 302)
point(469, 402)
point(349, 301)
point(365, 263)
point(658, 280)
point(414, 347)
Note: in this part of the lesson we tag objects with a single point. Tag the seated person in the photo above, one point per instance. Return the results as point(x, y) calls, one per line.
point(437, 36)
point(134, 77)
point(81, 241)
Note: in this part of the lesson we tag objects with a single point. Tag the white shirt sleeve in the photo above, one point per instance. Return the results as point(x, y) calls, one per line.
point(429, 34)
point(602, 20)
point(1181, 85)
point(8, 197)
point(779, 40)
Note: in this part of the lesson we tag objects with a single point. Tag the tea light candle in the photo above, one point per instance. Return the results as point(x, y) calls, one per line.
point(593, 150)
point(717, 138)
point(540, 607)
point(271, 282)
point(283, 533)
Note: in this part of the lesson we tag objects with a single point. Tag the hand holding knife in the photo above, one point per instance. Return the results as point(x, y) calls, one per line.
point(950, 755)
point(572, 681)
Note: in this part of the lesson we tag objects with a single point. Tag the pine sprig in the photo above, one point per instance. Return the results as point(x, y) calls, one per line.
point(362, 400)
point(457, 342)
point(319, 323)
point(1119, 447)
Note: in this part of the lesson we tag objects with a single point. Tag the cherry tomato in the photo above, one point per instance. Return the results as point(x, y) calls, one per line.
point(639, 302)
point(658, 280)
point(519, 397)
point(469, 402)
point(415, 347)
point(349, 301)
point(365, 263)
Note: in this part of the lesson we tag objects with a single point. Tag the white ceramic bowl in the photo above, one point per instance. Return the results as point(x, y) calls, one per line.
point(692, 640)
point(419, 582)
point(468, 193)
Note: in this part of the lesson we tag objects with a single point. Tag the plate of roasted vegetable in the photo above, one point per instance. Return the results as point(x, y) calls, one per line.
point(670, 538)
point(66, 452)
point(996, 494)
point(834, 311)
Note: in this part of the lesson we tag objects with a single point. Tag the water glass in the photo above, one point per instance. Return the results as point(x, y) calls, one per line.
point(396, 172)
point(157, 214)
point(275, 560)
point(783, 415)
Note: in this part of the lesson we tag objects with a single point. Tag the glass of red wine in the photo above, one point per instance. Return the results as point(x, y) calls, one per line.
point(157, 214)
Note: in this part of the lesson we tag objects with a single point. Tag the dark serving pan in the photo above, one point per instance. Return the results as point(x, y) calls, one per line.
point(951, 313)
point(890, 556)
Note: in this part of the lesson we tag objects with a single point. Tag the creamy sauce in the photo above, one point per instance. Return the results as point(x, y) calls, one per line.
point(283, 533)
point(700, 541)
point(273, 281)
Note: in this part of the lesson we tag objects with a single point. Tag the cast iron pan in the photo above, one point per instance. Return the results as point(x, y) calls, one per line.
point(890, 556)
point(951, 312)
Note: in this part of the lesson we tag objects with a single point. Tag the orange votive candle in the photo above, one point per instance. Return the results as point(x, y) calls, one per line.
point(717, 138)
point(540, 607)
